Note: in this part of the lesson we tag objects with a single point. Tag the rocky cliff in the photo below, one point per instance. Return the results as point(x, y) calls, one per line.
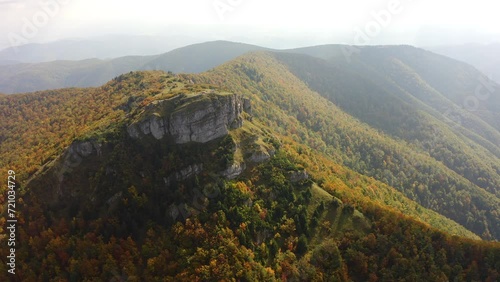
point(190, 118)
point(96, 162)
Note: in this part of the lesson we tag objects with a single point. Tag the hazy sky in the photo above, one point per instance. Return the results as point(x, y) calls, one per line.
point(274, 23)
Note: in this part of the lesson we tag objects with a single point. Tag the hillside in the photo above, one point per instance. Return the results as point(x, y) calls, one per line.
point(394, 98)
point(413, 169)
point(240, 172)
point(430, 78)
point(485, 57)
point(29, 77)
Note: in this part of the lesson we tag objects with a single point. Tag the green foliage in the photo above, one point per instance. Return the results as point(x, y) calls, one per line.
point(302, 245)
point(313, 120)
point(327, 257)
point(225, 152)
point(129, 214)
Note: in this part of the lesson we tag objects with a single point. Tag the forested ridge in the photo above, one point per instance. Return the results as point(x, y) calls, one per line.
point(323, 126)
point(339, 198)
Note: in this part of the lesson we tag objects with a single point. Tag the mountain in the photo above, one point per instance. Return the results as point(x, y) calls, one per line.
point(455, 159)
point(199, 57)
point(104, 47)
point(485, 58)
point(94, 72)
point(260, 169)
point(434, 90)
point(38, 67)
point(8, 62)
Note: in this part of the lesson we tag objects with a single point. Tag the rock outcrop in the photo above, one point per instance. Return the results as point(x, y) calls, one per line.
point(74, 156)
point(85, 148)
point(297, 176)
point(261, 155)
point(184, 174)
point(234, 170)
point(247, 105)
point(195, 118)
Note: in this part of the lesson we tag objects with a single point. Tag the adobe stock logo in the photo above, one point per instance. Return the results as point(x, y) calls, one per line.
point(48, 9)
point(484, 89)
point(379, 20)
point(222, 7)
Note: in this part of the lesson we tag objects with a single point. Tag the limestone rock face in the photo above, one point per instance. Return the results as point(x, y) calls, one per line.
point(234, 170)
point(86, 148)
point(157, 126)
point(196, 118)
point(70, 161)
point(184, 174)
point(261, 155)
point(247, 106)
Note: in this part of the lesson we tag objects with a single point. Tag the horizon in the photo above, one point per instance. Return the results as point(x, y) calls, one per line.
point(288, 47)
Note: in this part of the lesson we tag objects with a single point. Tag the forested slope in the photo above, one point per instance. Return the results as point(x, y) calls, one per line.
point(298, 188)
point(325, 127)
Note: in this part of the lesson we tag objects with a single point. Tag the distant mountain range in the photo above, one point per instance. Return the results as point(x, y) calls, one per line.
point(103, 47)
point(485, 58)
point(88, 63)
point(29, 77)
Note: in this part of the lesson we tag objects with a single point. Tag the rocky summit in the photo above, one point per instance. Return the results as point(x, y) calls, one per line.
point(190, 118)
